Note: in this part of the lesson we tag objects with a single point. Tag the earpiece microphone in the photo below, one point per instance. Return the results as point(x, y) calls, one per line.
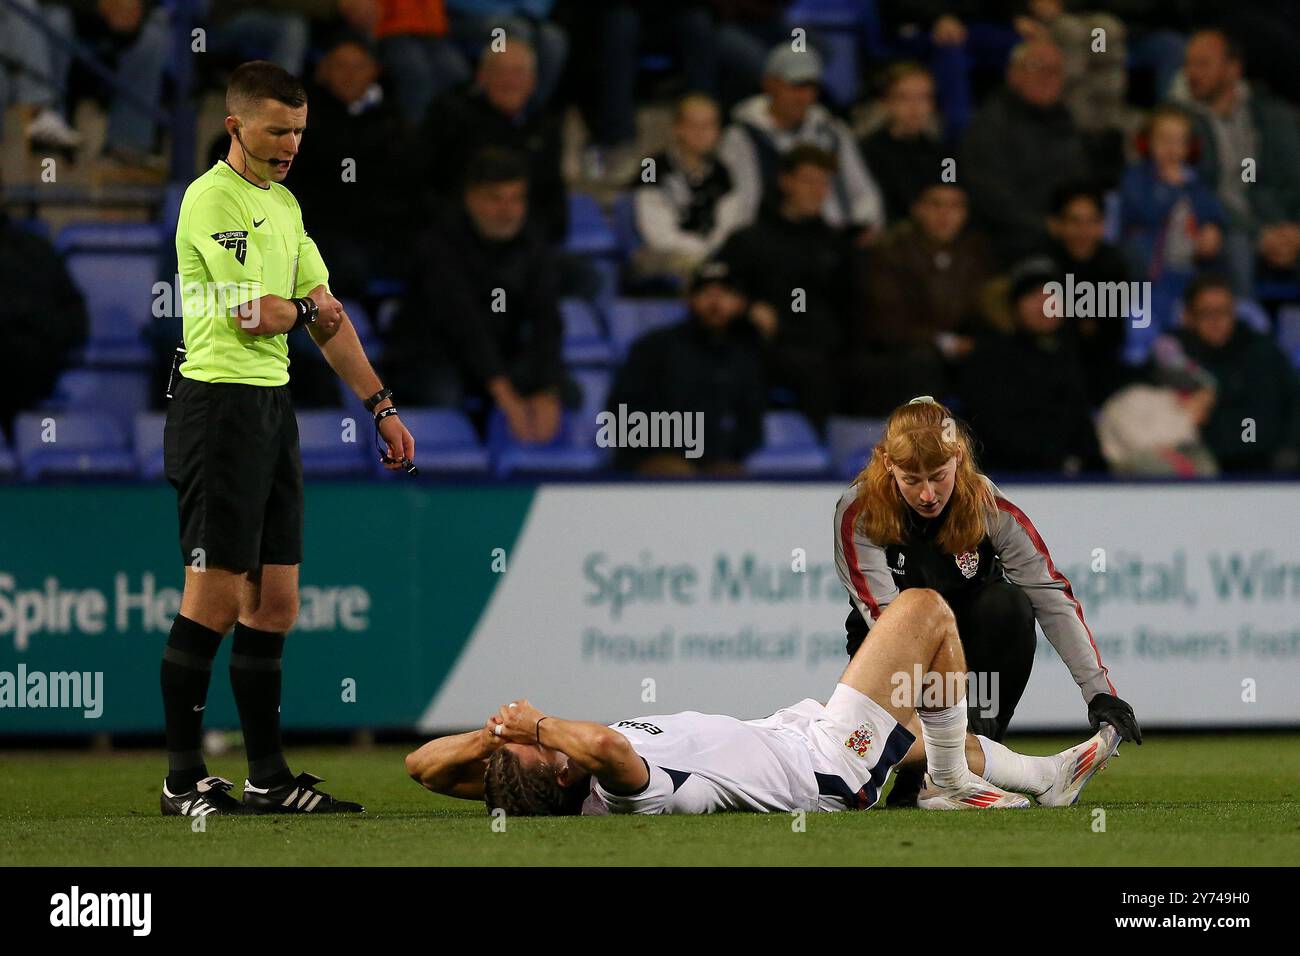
point(269, 162)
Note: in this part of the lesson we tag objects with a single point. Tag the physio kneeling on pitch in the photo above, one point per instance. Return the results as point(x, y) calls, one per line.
point(810, 756)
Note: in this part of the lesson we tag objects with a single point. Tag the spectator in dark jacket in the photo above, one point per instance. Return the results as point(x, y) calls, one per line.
point(1076, 228)
point(708, 364)
point(486, 299)
point(905, 153)
point(344, 180)
point(1254, 424)
point(1025, 393)
point(798, 273)
point(495, 113)
point(923, 287)
point(1239, 121)
point(1020, 147)
point(42, 319)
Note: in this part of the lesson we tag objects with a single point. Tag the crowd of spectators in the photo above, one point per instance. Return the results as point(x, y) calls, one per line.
point(835, 257)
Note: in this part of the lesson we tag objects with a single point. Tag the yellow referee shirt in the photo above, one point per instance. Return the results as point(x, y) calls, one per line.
point(236, 242)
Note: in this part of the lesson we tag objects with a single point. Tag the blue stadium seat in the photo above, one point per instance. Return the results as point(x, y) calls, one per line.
point(149, 443)
point(118, 289)
point(584, 339)
point(100, 236)
point(1272, 291)
point(1288, 332)
point(589, 232)
point(1252, 314)
point(445, 442)
point(89, 444)
point(119, 393)
point(170, 212)
point(837, 24)
point(851, 441)
point(382, 287)
point(1113, 228)
point(790, 448)
point(629, 319)
point(34, 227)
point(322, 439)
point(608, 275)
point(594, 383)
point(622, 215)
point(843, 14)
point(573, 450)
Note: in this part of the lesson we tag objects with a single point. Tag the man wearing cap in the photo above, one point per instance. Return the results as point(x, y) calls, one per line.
point(709, 366)
point(766, 126)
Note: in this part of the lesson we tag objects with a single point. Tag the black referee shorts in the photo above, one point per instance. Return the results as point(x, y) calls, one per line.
point(231, 453)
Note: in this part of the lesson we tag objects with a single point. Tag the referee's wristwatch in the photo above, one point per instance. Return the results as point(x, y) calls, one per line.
point(375, 399)
point(307, 311)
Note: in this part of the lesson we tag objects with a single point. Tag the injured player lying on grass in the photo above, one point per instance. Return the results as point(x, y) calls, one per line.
point(810, 756)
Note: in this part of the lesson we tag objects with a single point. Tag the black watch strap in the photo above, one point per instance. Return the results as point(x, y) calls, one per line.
point(378, 397)
point(307, 311)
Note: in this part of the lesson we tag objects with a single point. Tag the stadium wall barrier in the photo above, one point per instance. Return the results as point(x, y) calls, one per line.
point(430, 605)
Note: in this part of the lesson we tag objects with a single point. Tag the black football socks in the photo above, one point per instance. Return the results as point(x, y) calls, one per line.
point(186, 668)
point(255, 680)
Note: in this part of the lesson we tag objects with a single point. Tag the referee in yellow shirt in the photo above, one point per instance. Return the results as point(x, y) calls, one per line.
point(251, 277)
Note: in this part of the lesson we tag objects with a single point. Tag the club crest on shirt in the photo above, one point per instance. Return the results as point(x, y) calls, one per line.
point(968, 563)
point(860, 740)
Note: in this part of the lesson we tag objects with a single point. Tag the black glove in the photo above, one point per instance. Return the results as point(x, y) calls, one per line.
point(1112, 710)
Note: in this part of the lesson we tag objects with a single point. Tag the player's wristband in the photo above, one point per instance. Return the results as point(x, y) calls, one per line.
point(537, 729)
point(380, 416)
point(376, 398)
point(307, 311)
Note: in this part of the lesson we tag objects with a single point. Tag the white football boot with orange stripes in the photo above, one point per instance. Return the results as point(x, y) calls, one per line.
point(975, 793)
point(1077, 765)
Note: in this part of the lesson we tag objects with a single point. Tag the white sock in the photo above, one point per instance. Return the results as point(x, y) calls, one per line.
point(944, 733)
point(1005, 768)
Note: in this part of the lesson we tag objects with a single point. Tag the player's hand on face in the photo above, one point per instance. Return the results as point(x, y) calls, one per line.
point(517, 722)
point(488, 736)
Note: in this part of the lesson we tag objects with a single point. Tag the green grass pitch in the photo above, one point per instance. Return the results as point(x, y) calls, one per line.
point(1197, 801)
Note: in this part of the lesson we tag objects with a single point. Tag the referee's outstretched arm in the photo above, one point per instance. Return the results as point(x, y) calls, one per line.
point(337, 338)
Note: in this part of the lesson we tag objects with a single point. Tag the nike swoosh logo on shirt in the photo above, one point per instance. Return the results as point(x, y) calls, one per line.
point(258, 222)
point(197, 709)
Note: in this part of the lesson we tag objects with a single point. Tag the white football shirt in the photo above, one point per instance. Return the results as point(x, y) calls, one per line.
point(708, 763)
